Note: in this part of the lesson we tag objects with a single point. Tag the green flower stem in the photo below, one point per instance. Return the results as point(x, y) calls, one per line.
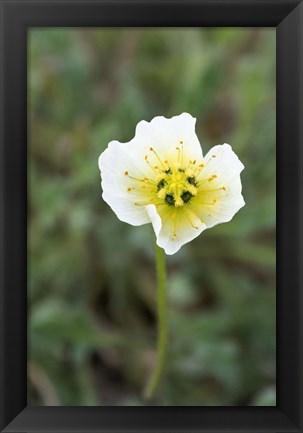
point(162, 323)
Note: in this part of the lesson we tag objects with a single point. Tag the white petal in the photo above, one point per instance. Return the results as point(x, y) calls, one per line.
point(172, 232)
point(166, 136)
point(220, 199)
point(222, 161)
point(154, 218)
point(114, 162)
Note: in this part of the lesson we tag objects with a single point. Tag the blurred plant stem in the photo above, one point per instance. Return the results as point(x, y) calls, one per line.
point(162, 323)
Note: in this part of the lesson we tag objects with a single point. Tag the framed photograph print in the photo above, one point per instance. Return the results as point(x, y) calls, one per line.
point(151, 216)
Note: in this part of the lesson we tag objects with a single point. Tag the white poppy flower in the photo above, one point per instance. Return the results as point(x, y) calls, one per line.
point(161, 177)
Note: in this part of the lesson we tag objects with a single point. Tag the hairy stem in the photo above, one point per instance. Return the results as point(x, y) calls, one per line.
point(162, 323)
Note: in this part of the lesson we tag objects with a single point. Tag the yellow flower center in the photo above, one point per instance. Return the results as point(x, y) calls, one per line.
point(176, 186)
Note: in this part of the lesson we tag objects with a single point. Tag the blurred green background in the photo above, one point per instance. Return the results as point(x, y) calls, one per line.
point(91, 279)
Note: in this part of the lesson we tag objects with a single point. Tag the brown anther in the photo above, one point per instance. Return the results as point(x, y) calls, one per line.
point(126, 173)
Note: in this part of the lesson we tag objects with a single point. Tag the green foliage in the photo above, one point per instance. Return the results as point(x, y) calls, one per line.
point(91, 277)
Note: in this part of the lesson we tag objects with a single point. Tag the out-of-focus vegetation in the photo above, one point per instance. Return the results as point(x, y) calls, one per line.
point(91, 280)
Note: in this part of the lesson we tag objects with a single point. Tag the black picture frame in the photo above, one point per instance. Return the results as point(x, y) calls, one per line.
point(17, 16)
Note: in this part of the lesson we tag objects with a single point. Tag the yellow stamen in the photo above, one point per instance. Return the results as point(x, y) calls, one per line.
point(213, 189)
point(136, 179)
point(204, 203)
point(157, 156)
point(146, 159)
point(190, 221)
